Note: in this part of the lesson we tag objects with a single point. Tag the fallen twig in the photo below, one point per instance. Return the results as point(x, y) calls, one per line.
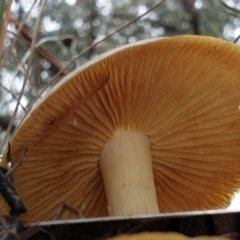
point(42, 51)
point(32, 48)
point(63, 207)
point(10, 171)
point(5, 23)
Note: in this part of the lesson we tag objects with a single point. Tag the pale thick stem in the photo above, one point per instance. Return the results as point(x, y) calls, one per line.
point(126, 166)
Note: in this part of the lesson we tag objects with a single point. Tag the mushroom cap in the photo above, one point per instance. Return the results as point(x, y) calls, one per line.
point(182, 92)
point(163, 236)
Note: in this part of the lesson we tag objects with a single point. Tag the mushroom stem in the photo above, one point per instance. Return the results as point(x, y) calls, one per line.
point(126, 166)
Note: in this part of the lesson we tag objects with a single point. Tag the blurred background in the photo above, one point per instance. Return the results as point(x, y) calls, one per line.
point(68, 27)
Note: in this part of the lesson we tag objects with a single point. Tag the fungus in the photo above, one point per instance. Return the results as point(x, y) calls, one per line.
point(148, 127)
point(164, 236)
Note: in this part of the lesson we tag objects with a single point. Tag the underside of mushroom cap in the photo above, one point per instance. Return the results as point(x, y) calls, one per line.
point(183, 93)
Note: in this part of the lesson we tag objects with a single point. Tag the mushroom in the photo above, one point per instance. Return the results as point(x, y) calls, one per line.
point(164, 236)
point(148, 127)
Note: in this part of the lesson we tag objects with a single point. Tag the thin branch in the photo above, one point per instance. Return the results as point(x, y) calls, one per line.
point(10, 171)
point(62, 208)
point(211, 24)
point(30, 59)
point(232, 9)
point(168, 28)
point(47, 233)
point(5, 23)
point(21, 67)
point(87, 49)
point(13, 96)
point(97, 43)
point(236, 39)
point(15, 39)
point(43, 51)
